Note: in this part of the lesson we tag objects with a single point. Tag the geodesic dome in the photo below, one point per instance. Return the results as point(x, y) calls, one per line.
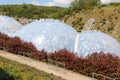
point(95, 41)
point(9, 25)
point(50, 35)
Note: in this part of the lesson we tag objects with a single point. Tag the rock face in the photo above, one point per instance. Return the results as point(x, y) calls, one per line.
point(50, 35)
point(95, 41)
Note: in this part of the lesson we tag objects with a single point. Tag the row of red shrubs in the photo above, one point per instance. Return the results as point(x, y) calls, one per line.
point(106, 64)
point(17, 46)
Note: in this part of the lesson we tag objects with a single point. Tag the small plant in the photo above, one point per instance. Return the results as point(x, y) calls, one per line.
point(116, 18)
point(81, 19)
point(110, 28)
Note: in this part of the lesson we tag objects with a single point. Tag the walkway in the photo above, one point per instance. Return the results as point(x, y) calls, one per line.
point(57, 71)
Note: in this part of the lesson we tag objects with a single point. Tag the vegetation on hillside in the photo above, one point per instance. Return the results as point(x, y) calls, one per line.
point(102, 63)
point(85, 4)
point(33, 12)
point(11, 70)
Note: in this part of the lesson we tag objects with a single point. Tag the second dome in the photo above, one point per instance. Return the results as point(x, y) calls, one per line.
point(50, 35)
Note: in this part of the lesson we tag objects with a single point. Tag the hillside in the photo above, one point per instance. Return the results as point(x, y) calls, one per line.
point(106, 17)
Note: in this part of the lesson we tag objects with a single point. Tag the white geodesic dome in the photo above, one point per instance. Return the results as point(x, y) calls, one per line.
point(96, 41)
point(50, 35)
point(8, 25)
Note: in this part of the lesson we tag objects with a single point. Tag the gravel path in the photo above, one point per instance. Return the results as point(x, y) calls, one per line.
point(57, 71)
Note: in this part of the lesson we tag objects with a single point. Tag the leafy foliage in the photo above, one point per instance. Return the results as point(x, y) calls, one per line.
point(106, 64)
point(115, 3)
point(4, 75)
point(17, 46)
point(84, 4)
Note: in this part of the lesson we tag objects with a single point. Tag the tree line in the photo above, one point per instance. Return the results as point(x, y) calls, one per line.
point(33, 12)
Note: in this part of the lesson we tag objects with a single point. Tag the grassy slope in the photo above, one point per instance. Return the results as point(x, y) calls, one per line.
point(106, 20)
point(16, 71)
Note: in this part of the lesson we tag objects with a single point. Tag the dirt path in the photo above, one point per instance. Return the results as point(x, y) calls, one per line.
point(57, 71)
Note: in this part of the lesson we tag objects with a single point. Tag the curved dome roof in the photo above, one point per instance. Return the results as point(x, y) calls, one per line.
point(9, 25)
point(49, 34)
point(94, 41)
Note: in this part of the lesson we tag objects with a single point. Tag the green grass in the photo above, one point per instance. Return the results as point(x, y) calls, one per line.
point(11, 70)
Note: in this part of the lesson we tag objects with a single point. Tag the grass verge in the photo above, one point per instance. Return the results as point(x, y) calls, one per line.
point(11, 70)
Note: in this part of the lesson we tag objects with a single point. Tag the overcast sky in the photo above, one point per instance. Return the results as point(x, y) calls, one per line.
point(63, 3)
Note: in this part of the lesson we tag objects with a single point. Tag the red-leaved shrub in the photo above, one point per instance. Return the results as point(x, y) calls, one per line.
point(105, 64)
point(101, 63)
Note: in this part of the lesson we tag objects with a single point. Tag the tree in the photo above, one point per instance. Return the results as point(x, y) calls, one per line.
point(83, 3)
